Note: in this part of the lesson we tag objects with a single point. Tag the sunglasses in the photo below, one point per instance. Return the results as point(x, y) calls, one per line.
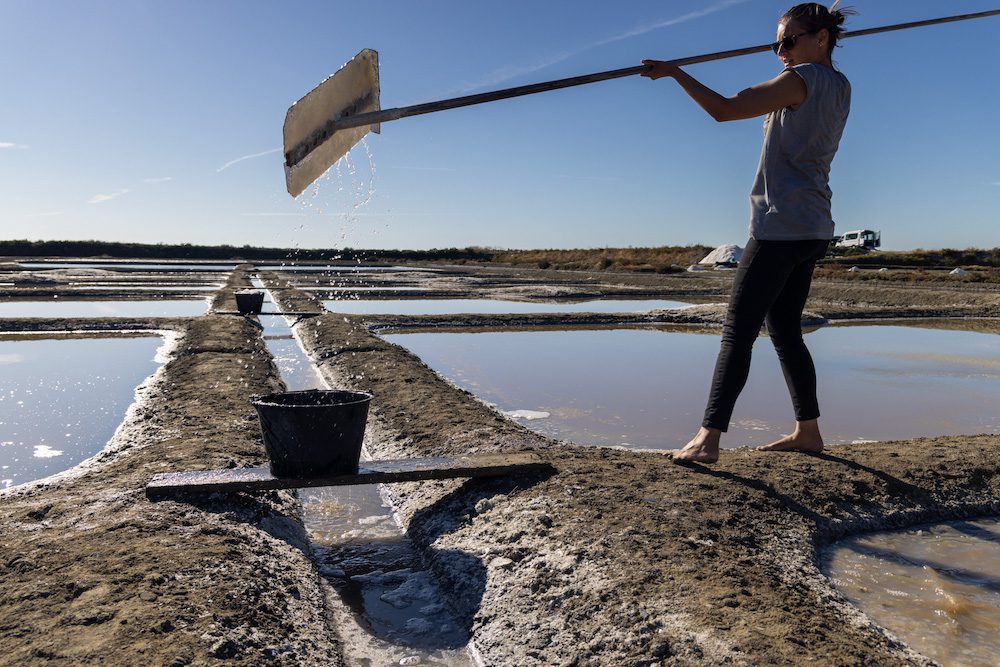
point(788, 43)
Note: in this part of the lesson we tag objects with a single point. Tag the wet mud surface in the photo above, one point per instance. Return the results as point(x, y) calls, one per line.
point(617, 557)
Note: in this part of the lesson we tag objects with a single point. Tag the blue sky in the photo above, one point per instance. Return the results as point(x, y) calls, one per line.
point(160, 121)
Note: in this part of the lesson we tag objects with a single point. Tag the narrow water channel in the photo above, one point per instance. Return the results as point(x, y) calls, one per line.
point(937, 587)
point(399, 618)
point(334, 269)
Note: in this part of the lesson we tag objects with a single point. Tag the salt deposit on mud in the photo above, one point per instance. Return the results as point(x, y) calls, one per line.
point(619, 557)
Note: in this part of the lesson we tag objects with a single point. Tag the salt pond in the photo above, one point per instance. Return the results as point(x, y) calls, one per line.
point(365, 288)
point(128, 266)
point(936, 587)
point(339, 268)
point(56, 307)
point(647, 388)
point(61, 400)
point(162, 287)
point(492, 306)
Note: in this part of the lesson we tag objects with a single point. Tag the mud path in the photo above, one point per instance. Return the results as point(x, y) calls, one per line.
point(94, 573)
point(625, 558)
point(620, 557)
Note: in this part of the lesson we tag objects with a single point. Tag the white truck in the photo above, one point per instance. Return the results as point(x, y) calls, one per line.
point(859, 238)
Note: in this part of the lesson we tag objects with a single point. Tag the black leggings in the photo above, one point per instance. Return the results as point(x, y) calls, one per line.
point(771, 285)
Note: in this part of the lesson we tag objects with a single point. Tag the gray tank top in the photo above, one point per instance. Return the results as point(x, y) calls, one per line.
point(790, 199)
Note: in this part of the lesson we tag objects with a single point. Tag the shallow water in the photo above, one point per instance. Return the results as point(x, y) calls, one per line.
point(362, 551)
point(124, 308)
point(162, 287)
point(62, 400)
point(295, 368)
point(333, 268)
point(127, 266)
point(492, 306)
point(648, 388)
point(365, 288)
point(400, 616)
point(936, 587)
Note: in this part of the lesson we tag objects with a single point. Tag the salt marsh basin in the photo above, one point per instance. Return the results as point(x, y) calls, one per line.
point(619, 557)
point(877, 382)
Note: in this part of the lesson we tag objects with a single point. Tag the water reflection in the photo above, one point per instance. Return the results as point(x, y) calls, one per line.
point(124, 308)
point(62, 400)
point(365, 288)
point(127, 266)
point(493, 306)
point(338, 268)
point(647, 388)
point(296, 369)
point(361, 550)
point(161, 287)
point(936, 587)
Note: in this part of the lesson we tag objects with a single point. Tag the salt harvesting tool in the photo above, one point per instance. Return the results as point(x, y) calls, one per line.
point(322, 126)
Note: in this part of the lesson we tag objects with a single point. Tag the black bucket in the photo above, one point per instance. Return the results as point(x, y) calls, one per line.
point(249, 302)
point(313, 433)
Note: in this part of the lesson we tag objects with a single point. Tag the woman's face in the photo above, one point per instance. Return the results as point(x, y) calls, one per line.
point(805, 48)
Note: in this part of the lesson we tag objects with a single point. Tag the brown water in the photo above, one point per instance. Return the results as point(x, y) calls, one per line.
point(648, 388)
point(935, 587)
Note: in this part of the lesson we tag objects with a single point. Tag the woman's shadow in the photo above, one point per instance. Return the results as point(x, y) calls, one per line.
point(893, 485)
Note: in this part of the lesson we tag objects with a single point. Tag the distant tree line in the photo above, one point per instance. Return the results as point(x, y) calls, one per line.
point(664, 259)
point(188, 251)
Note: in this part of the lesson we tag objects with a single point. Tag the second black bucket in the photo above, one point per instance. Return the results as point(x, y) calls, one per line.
point(313, 433)
point(249, 302)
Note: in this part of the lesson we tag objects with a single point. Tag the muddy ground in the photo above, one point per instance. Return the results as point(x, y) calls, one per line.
point(617, 557)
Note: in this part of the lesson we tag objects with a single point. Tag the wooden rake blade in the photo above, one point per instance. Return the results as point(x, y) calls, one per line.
point(312, 143)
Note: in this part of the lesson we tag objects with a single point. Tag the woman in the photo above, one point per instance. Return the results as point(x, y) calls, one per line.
point(790, 223)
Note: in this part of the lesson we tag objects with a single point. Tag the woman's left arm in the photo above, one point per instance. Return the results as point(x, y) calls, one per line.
point(785, 90)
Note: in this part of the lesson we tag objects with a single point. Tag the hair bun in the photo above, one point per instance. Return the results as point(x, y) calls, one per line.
point(813, 17)
point(839, 15)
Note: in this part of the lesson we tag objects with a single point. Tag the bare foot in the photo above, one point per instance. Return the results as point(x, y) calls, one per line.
point(703, 447)
point(806, 438)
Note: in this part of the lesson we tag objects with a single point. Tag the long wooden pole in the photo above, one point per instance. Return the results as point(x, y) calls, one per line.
point(384, 115)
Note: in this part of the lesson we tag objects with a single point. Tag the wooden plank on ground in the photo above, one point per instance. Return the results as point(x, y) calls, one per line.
point(290, 313)
point(234, 480)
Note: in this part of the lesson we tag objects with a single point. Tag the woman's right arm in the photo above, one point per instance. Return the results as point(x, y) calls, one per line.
point(785, 90)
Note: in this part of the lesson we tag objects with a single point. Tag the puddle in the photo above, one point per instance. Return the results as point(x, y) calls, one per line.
point(936, 587)
point(647, 388)
point(61, 400)
point(398, 617)
point(56, 307)
point(493, 306)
